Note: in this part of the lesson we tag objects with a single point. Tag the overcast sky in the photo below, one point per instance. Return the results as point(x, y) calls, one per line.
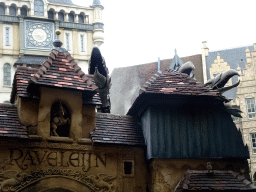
point(140, 31)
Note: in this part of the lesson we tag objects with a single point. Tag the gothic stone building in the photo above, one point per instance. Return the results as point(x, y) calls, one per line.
point(52, 138)
point(27, 31)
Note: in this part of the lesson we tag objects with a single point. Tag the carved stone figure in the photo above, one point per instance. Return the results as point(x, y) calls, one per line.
point(101, 77)
point(221, 79)
point(60, 117)
point(12, 179)
point(102, 181)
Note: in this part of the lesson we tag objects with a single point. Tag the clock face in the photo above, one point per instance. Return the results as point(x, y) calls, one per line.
point(39, 35)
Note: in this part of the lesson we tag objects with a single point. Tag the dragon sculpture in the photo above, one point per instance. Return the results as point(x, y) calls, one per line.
point(217, 83)
point(102, 79)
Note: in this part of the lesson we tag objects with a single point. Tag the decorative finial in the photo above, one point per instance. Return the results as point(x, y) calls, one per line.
point(58, 32)
point(57, 42)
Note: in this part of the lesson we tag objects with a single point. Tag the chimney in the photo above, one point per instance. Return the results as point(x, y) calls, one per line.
point(205, 48)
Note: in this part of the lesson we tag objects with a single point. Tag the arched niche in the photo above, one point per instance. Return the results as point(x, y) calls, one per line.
point(24, 10)
point(61, 16)
point(13, 10)
point(51, 13)
point(60, 120)
point(2, 9)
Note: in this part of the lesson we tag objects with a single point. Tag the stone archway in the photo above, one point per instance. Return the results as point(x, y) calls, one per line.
point(56, 184)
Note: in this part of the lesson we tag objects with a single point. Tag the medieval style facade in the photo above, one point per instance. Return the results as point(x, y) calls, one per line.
point(27, 32)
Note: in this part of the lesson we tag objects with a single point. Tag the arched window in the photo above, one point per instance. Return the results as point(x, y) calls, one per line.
point(2, 9)
point(80, 19)
point(60, 120)
point(12, 11)
point(7, 74)
point(39, 7)
point(50, 15)
point(61, 16)
point(24, 11)
point(71, 18)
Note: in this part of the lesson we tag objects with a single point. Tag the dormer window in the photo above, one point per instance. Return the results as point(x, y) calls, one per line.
point(60, 120)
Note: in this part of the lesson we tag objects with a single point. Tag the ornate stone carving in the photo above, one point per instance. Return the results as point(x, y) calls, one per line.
point(14, 181)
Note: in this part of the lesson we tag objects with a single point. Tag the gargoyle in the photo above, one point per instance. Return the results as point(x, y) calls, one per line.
point(218, 82)
point(101, 77)
point(187, 68)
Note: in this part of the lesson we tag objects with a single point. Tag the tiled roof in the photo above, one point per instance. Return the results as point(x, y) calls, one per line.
point(60, 70)
point(115, 129)
point(233, 57)
point(20, 84)
point(127, 81)
point(219, 180)
point(173, 82)
point(9, 122)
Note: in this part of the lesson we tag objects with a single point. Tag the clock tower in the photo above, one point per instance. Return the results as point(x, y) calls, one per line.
point(27, 31)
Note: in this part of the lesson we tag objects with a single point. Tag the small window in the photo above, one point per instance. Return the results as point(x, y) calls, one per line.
point(128, 168)
point(80, 19)
point(235, 119)
point(253, 140)
point(7, 74)
point(12, 11)
point(250, 104)
point(82, 43)
point(67, 41)
point(61, 16)
point(24, 11)
point(7, 36)
point(50, 15)
point(70, 18)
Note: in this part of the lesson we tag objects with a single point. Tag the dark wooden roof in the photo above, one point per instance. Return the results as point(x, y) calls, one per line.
point(60, 70)
point(9, 122)
point(218, 181)
point(115, 129)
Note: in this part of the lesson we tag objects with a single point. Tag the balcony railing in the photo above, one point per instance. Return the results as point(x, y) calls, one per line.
point(76, 26)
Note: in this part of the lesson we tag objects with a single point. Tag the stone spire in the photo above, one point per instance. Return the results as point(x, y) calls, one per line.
point(96, 3)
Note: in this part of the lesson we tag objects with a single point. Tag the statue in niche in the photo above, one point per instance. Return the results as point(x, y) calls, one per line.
point(60, 120)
